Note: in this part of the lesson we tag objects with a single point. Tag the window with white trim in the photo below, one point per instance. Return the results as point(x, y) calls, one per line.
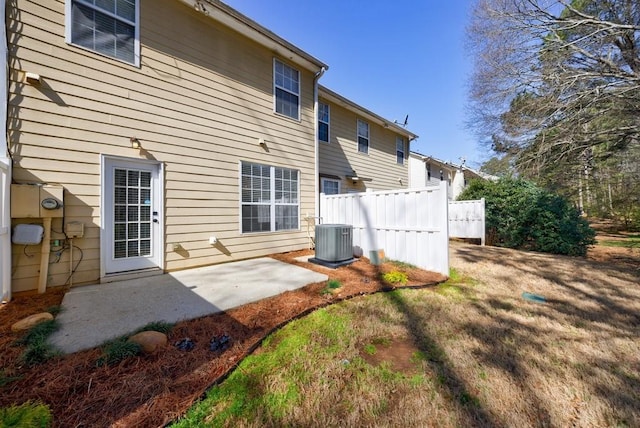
point(400, 150)
point(269, 198)
point(330, 186)
point(108, 27)
point(363, 136)
point(323, 122)
point(286, 89)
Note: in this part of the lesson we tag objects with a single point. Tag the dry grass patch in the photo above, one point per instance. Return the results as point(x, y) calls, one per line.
point(469, 352)
point(572, 361)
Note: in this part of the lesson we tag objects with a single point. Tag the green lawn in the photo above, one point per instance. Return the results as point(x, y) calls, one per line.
point(630, 241)
point(463, 353)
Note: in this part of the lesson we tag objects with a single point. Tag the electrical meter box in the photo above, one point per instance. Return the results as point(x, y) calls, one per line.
point(36, 201)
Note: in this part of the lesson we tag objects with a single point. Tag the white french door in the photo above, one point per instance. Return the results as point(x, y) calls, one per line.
point(131, 210)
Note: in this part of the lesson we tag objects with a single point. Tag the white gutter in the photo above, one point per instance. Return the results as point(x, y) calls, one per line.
point(316, 144)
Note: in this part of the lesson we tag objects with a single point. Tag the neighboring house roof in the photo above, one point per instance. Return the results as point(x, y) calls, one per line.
point(454, 166)
point(219, 11)
point(338, 99)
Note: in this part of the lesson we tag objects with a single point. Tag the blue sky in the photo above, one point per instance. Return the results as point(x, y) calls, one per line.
point(392, 57)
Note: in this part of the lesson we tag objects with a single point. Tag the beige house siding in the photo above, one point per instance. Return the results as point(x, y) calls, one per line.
point(198, 104)
point(340, 157)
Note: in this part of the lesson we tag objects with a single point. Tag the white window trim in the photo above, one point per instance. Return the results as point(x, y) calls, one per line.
point(368, 137)
point(400, 140)
point(136, 26)
point(328, 124)
point(299, 95)
point(332, 180)
point(272, 204)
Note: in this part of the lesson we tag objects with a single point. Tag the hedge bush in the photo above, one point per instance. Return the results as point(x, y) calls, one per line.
point(27, 415)
point(521, 215)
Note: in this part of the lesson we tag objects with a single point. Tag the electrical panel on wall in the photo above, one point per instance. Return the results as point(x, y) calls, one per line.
point(37, 201)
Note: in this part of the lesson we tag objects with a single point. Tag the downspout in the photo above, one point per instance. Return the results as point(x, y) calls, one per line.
point(5, 160)
point(316, 178)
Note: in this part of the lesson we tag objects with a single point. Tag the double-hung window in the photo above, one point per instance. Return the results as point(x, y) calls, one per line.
point(286, 89)
point(269, 198)
point(323, 122)
point(400, 150)
point(330, 186)
point(363, 136)
point(108, 27)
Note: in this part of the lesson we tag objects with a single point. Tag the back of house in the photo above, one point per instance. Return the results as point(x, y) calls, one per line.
point(174, 134)
point(359, 150)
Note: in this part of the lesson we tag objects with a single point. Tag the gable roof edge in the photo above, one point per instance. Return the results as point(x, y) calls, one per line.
point(336, 98)
point(231, 18)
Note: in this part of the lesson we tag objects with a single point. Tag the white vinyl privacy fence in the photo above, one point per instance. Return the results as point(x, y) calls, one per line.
point(409, 225)
point(467, 219)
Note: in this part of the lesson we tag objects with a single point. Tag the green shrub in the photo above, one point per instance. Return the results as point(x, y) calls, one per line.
point(333, 284)
point(159, 326)
point(29, 414)
point(395, 277)
point(35, 340)
point(38, 333)
point(118, 350)
point(38, 353)
point(521, 215)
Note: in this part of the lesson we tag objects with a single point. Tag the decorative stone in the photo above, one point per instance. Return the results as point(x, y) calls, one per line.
point(30, 321)
point(149, 341)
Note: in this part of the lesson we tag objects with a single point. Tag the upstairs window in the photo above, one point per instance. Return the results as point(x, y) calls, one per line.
point(363, 136)
point(400, 150)
point(323, 122)
point(107, 27)
point(286, 82)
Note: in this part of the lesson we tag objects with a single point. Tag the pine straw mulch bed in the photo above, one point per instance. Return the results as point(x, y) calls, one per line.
point(153, 390)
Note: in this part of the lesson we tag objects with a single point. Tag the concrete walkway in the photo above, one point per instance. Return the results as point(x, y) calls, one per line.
point(94, 314)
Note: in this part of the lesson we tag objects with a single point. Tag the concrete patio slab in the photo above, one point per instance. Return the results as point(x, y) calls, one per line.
point(94, 314)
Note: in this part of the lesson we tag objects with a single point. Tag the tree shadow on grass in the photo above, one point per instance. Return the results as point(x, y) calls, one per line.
point(584, 333)
point(461, 398)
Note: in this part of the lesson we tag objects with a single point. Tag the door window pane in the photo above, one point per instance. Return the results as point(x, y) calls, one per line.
point(132, 213)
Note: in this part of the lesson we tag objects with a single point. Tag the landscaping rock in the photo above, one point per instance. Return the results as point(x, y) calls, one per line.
point(149, 341)
point(30, 321)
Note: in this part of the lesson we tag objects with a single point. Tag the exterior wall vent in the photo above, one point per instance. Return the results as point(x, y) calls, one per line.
point(334, 242)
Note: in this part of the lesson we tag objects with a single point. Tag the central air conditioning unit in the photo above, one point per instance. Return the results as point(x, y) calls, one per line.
point(334, 245)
